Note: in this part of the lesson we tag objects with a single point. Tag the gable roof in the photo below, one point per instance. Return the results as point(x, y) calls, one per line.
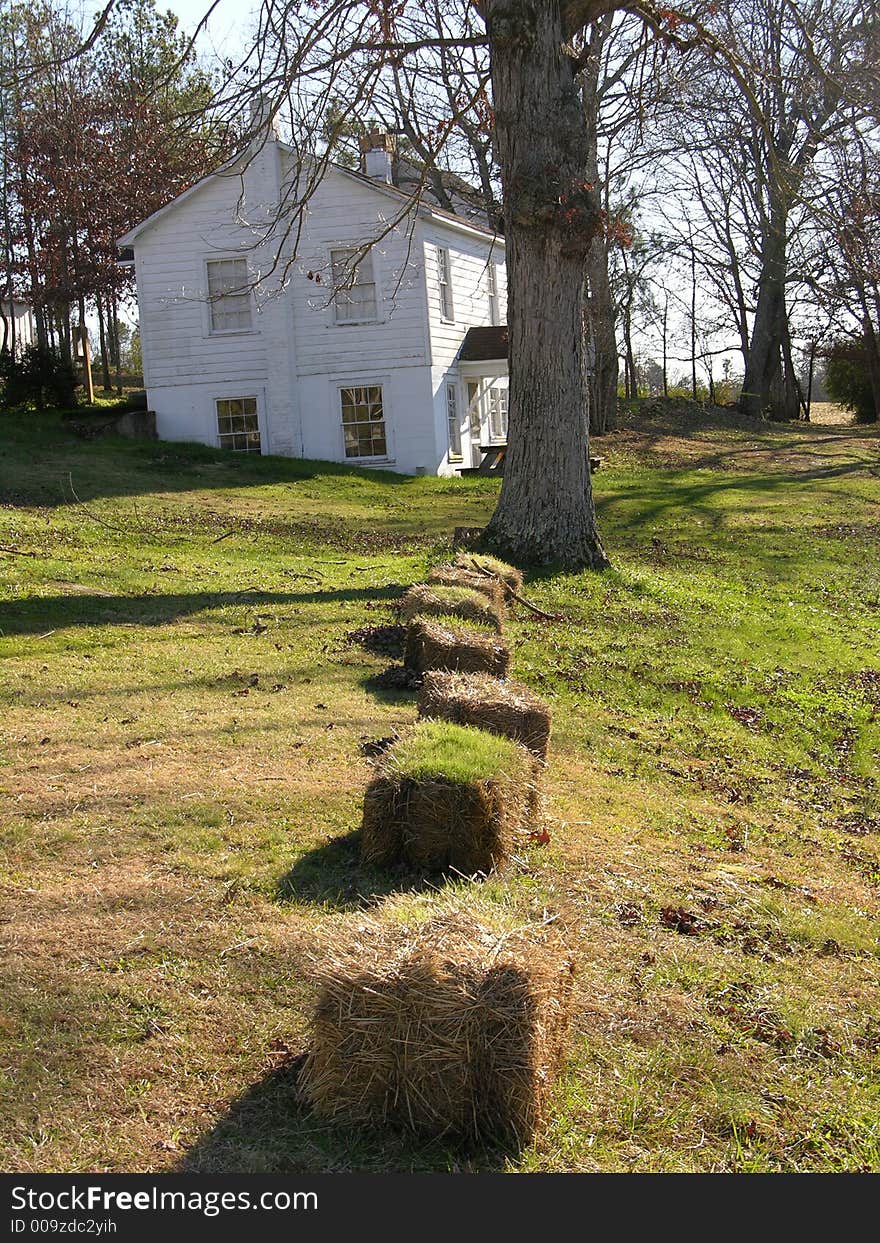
point(420, 204)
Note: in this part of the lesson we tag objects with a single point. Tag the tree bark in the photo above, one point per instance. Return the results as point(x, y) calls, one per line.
point(762, 380)
point(600, 307)
point(545, 513)
point(102, 338)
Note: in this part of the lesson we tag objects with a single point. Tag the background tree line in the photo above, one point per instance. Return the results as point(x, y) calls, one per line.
point(91, 142)
point(743, 188)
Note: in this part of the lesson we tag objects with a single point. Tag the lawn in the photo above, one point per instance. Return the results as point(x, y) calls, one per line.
point(181, 772)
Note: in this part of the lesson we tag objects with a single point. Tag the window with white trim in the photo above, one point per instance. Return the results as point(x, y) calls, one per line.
point(453, 421)
point(444, 280)
point(498, 413)
point(229, 296)
point(354, 299)
point(238, 427)
point(492, 293)
point(363, 421)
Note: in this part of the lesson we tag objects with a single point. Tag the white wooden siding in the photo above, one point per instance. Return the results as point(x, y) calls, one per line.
point(468, 257)
point(347, 213)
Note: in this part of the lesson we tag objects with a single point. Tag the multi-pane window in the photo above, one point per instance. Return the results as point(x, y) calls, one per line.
point(237, 424)
point(453, 420)
point(498, 413)
point(354, 299)
point(444, 278)
point(363, 421)
point(228, 295)
point(492, 292)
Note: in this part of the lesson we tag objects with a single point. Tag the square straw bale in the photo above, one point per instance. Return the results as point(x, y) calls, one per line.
point(501, 707)
point(457, 576)
point(478, 562)
point(430, 645)
point(434, 600)
point(449, 798)
point(446, 1027)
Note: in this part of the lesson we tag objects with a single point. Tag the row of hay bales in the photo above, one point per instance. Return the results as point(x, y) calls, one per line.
point(433, 1018)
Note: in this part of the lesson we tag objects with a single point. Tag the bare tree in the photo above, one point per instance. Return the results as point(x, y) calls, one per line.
point(759, 121)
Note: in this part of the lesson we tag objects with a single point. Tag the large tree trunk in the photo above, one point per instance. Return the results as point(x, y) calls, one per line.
point(600, 306)
point(872, 350)
point(545, 512)
point(606, 367)
point(762, 383)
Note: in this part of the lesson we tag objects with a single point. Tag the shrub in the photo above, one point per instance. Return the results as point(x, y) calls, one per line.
point(37, 377)
point(848, 379)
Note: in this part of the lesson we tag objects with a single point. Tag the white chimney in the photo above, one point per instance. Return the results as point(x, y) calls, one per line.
point(377, 155)
point(261, 123)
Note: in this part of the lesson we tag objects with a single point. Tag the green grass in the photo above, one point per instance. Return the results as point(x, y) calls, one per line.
point(181, 776)
point(457, 754)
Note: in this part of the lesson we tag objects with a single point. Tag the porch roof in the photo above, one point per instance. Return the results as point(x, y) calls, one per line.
point(487, 344)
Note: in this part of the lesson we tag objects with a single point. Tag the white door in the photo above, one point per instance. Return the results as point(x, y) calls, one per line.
point(474, 419)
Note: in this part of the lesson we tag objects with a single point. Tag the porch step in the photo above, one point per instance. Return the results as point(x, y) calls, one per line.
point(493, 463)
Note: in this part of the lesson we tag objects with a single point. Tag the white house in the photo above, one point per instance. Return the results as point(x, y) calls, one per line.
point(18, 327)
point(332, 348)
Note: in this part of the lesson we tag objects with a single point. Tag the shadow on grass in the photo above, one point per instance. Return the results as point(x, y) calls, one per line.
point(270, 1130)
point(333, 875)
point(44, 457)
point(96, 608)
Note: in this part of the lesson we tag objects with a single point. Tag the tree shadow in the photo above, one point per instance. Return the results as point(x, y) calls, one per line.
point(653, 500)
point(269, 1129)
point(115, 466)
point(85, 608)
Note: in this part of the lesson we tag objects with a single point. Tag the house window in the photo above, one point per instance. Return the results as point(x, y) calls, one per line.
point(444, 278)
point(229, 296)
point(492, 292)
point(363, 421)
point(237, 425)
point(354, 300)
point(498, 413)
point(453, 420)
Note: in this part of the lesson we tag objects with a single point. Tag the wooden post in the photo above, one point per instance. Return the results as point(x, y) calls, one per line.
point(87, 362)
point(809, 401)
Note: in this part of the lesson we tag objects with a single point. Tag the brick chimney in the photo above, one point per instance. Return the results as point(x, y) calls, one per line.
point(377, 155)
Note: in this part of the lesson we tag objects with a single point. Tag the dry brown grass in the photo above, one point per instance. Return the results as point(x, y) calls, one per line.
point(502, 707)
point(170, 829)
point(445, 1027)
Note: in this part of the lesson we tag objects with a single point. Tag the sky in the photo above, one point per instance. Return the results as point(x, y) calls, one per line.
point(227, 26)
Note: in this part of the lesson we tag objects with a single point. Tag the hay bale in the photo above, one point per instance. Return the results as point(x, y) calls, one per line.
point(430, 645)
point(446, 1027)
point(449, 798)
point(507, 708)
point(425, 600)
point(477, 562)
point(457, 576)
